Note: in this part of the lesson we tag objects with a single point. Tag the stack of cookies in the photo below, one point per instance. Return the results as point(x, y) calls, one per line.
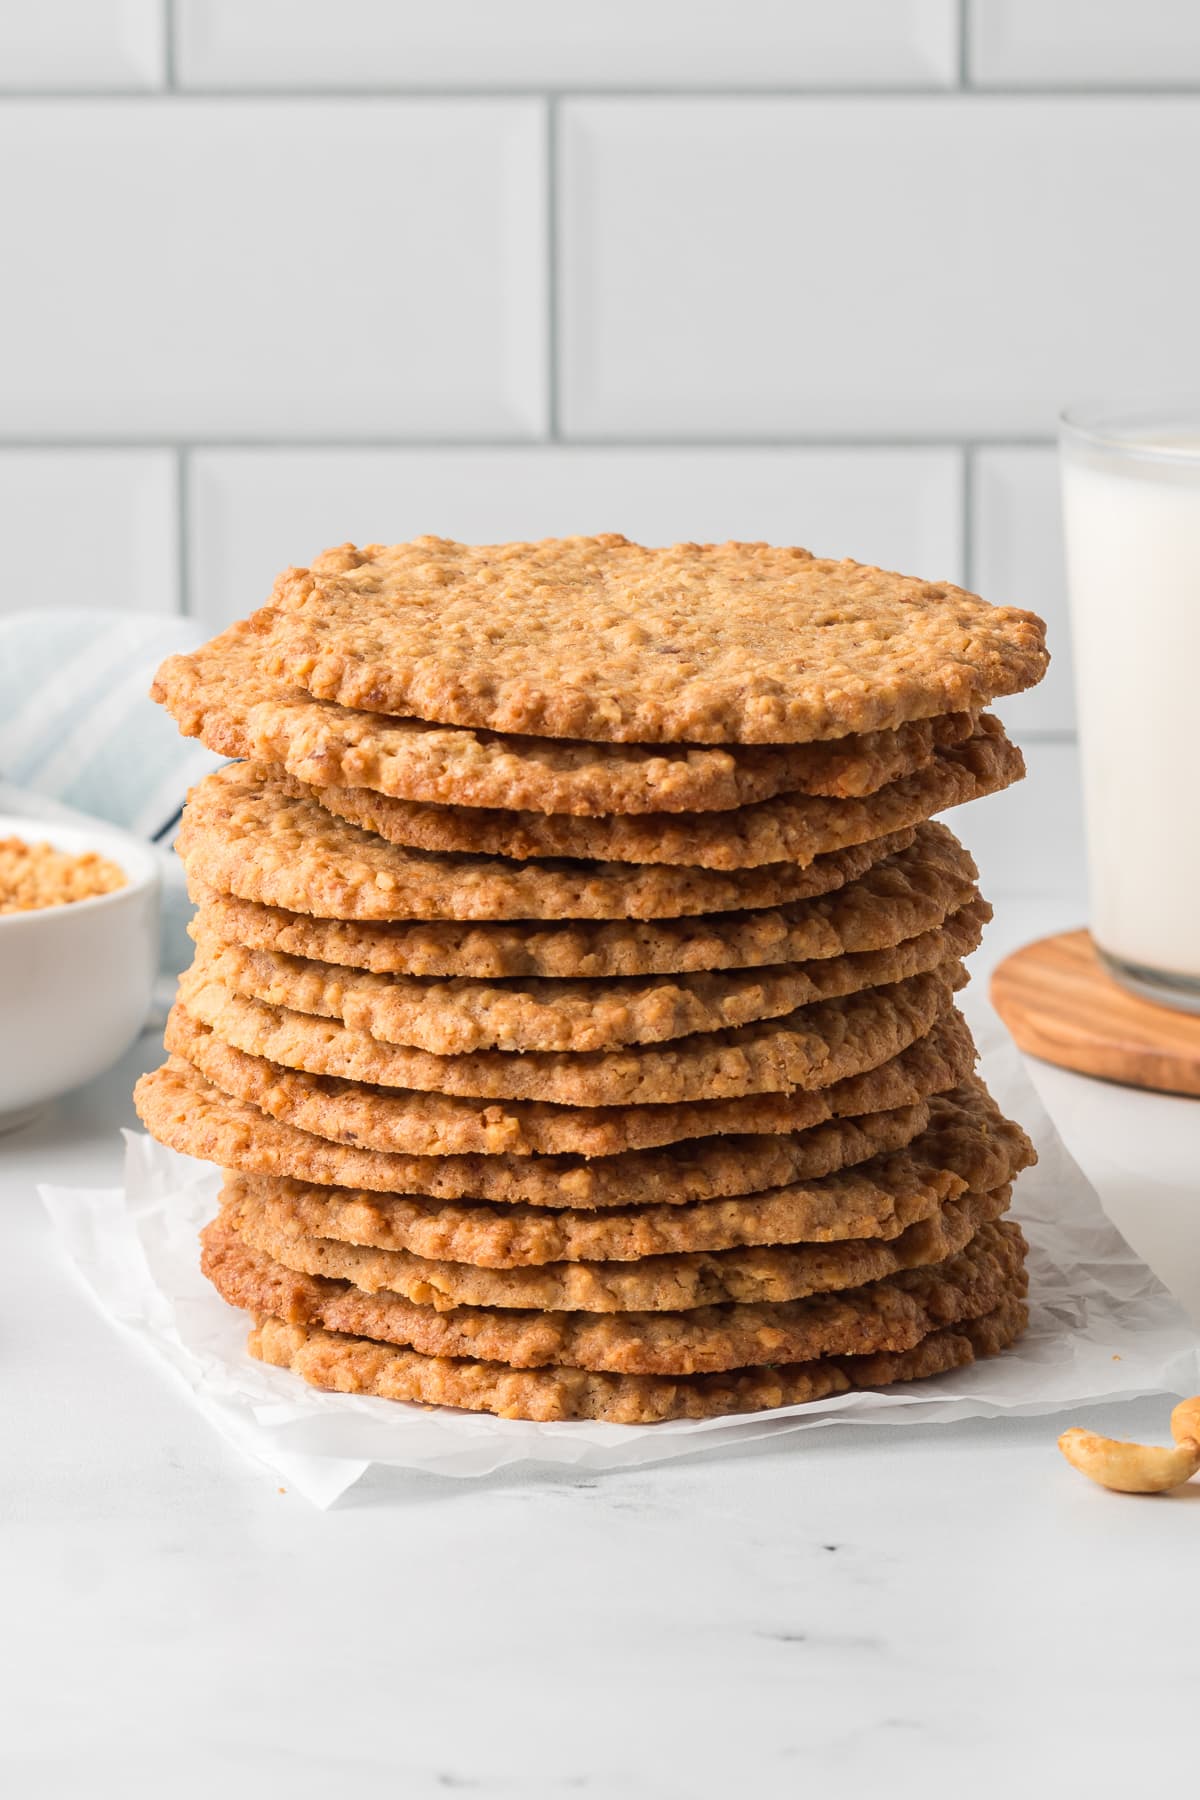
point(572, 1011)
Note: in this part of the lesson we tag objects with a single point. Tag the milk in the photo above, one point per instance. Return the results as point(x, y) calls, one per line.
point(1132, 517)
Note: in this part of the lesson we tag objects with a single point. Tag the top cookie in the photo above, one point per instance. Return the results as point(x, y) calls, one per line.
point(222, 695)
point(601, 639)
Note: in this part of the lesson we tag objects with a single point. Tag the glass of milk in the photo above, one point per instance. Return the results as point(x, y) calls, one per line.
point(1131, 504)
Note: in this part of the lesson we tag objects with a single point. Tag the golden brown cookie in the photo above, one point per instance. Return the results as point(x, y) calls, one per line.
point(243, 833)
point(183, 1109)
point(793, 828)
point(222, 694)
point(456, 1018)
point(890, 1314)
point(219, 1104)
point(603, 639)
point(809, 1048)
point(905, 894)
point(760, 1274)
point(966, 1137)
point(354, 1365)
point(411, 1121)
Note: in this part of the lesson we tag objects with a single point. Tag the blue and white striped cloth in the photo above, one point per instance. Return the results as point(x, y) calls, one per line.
point(80, 735)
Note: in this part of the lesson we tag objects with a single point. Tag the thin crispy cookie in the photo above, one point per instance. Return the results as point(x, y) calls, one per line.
point(890, 1314)
point(762, 1275)
point(221, 1105)
point(353, 1365)
point(222, 695)
point(457, 1018)
point(905, 894)
point(243, 833)
point(789, 829)
point(809, 1048)
point(877, 1197)
point(603, 639)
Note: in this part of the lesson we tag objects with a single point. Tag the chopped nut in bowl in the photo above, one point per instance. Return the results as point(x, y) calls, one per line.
point(78, 955)
point(36, 875)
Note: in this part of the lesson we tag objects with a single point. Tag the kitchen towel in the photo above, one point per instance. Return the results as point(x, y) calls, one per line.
point(78, 736)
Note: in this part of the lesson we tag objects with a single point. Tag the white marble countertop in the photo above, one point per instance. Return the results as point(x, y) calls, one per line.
point(947, 1608)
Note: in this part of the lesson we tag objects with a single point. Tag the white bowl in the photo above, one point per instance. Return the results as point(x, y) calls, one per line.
point(76, 981)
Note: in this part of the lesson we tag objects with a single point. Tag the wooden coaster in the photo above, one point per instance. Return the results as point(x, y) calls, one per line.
point(1061, 1004)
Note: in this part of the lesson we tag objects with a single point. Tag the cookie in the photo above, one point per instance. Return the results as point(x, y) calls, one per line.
point(431, 1123)
point(354, 1365)
point(247, 1116)
point(231, 1109)
point(905, 894)
point(891, 1314)
point(244, 833)
point(808, 1048)
point(771, 1273)
point(602, 639)
point(793, 828)
point(456, 1018)
point(222, 695)
point(966, 1138)
point(416, 1131)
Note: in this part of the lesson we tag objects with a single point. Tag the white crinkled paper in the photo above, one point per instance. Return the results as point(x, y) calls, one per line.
point(1102, 1327)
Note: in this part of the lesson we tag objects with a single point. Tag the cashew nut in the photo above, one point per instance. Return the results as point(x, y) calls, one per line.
point(1185, 1420)
point(1139, 1468)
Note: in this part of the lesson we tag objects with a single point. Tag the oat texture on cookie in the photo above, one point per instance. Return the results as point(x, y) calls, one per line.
point(573, 1011)
point(604, 639)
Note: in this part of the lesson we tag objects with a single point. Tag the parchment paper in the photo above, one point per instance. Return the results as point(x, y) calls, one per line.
point(1102, 1328)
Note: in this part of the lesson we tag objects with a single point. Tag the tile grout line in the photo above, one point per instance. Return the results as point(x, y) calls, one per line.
point(183, 531)
point(170, 61)
point(578, 442)
point(552, 296)
point(964, 47)
point(1096, 91)
point(968, 516)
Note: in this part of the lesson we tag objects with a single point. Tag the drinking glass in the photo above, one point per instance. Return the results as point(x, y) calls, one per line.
point(1131, 507)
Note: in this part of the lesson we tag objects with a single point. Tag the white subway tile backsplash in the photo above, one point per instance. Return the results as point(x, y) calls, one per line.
point(274, 268)
point(81, 45)
point(252, 512)
point(1017, 555)
point(623, 43)
point(1084, 43)
point(90, 528)
point(818, 267)
point(1029, 839)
